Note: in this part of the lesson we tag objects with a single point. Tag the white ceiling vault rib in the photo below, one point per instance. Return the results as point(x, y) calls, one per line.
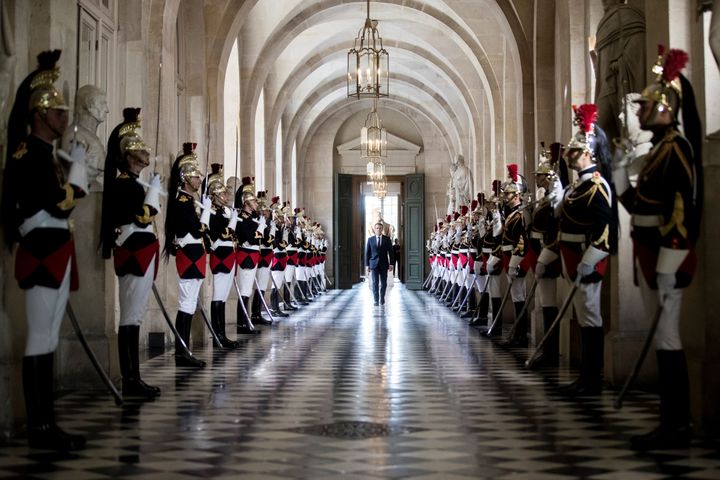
point(446, 54)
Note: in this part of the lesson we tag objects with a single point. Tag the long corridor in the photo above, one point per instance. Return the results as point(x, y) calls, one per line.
point(342, 389)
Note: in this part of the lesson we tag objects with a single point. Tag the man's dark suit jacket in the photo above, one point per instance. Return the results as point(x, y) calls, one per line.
point(379, 257)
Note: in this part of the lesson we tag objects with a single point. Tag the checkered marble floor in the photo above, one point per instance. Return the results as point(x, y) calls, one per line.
point(342, 389)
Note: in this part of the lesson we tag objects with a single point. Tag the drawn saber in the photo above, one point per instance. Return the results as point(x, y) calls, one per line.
point(640, 360)
point(522, 311)
point(498, 314)
point(91, 355)
point(262, 300)
point(538, 350)
point(174, 331)
point(216, 340)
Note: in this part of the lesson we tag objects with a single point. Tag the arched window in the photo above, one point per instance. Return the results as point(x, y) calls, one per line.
point(278, 162)
point(294, 175)
point(232, 115)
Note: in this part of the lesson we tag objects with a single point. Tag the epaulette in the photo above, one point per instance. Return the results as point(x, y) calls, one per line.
point(183, 198)
point(123, 176)
point(20, 151)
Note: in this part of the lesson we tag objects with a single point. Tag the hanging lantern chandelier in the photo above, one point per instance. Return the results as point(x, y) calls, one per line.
point(375, 170)
point(380, 187)
point(368, 63)
point(373, 138)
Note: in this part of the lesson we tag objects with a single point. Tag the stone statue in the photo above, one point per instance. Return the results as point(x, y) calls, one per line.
point(450, 192)
point(619, 60)
point(388, 229)
point(462, 183)
point(7, 69)
point(90, 111)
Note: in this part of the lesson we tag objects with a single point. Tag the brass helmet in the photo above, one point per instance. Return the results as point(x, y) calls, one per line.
point(188, 162)
point(131, 138)
point(584, 120)
point(216, 185)
point(262, 200)
point(666, 90)
point(43, 93)
point(286, 210)
point(248, 189)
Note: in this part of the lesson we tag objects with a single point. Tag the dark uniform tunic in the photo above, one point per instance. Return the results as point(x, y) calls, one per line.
point(129, 213)
point(222, 242)
point(190, 238)
point(44, 252)
point(543, 234)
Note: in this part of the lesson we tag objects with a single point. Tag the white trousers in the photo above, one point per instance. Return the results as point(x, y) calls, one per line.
point(279, 277)
point(289, 273)
point(222, 283)
point(517, 289)
point(188, 294)
point(263, 278)
point(667, 335)
point(300, 273)
point(495, 287)
point(134, 293)
point(469, 280)
point(587, 304)
point(246, 281)
point(547, 292)
point(45, 309)
point(480, 284)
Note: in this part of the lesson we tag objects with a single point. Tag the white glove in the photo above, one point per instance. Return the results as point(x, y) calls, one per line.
point(152, 197)
point(583, 270)
point(497, 224)
point(262, 223)
point(556, 193)
point(666, 284)
point(298, 232)
point(539, 269)
point(286, 235)
point(457, 235)
point(273, 229)
point(492, 262)
point(78, 169)
point(206, 210)
point(233, 219)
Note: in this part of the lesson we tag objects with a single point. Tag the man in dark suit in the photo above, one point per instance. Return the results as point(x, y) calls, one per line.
point(379, 258)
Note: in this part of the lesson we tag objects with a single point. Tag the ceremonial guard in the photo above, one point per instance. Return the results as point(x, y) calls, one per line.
point(479, 269)
point(491, 251)
point(665, 208)
point(468, 300)
point(37, 201)
point(302, 249)
point(514, 252)
point(543, 233)
point(280, 258)
point(223, 253)
point(292, 255)
point(588, 234)
point(250, 232)
point(128, 233)
point(265, 261)
point(185, 238)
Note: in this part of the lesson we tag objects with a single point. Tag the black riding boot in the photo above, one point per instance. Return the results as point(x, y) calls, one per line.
point(183, 357)
point(496, 302)
point(481, 320)
point(42, 431)
point(471, 305)
point(550, 355)
point(519, 338)
point(590, 381)
point(256, 313)
point(244, 325)
point(129, 353)
point(217, 319)
point(286, 298)
point(275, 304)
point(675, 430)
point(459, 298)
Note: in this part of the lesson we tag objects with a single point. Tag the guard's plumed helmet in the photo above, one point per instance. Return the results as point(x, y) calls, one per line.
point(666, 90)
point(131, 137)
point(248, 189)
point(216, 184)
point(187, 162)
point(43, 93)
